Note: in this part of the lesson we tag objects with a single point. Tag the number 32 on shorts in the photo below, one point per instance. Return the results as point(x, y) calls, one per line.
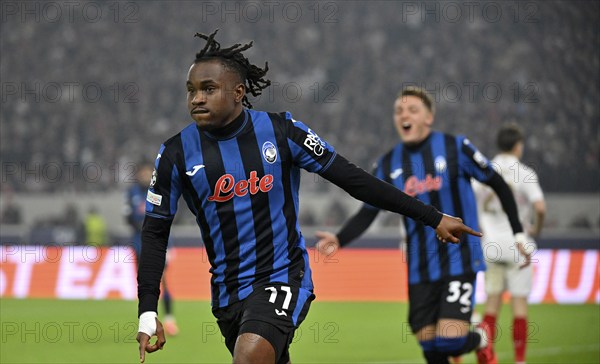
point(286, 301)
point(461, 292)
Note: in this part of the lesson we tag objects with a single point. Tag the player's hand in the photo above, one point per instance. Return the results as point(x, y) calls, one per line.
point(143, 337)
point(521, 242)
point(451, 228)
point(328, 243)
point(526, 255)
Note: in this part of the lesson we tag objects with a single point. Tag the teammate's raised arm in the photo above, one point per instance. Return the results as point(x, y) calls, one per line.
point(430, 166)
point(367, 188)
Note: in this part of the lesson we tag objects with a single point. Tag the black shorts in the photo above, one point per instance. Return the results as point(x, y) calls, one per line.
point(448, 298)
point(274, 311)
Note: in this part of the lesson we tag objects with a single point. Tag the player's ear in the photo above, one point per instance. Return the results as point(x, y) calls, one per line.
point(429, 118)
point(239, 91)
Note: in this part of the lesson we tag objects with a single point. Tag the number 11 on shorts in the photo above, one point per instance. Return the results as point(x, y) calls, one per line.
point(286, 301)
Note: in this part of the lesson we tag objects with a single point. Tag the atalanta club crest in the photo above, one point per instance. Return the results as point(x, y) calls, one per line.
point(269, 152)
point(440, 164)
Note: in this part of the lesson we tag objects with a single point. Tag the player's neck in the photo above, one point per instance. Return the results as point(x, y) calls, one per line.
point(419, 144)
point(509, 155)
point(231, 128)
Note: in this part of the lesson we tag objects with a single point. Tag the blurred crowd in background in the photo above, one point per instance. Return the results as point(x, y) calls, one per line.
point(83, 101)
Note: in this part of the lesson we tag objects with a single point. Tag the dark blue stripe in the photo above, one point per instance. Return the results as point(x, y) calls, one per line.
point(159, 216)
point(328, 163)
point(428, 260)
point(193, 156)
point(412, 241)
point(428, 345)
point(470, 219)
point(433, 245)
point(175, 190)
point(475, 262)
point(307, 282)
point(412, 236)
point(432, 165)
point(310, 164)
point(449, 344)
point(303, 295)
point(232, 161)
point(263, 129)
point(446, 251)
point(291, 181)
point(295, 179)
point(215, 171)
point(160, 151)
point(459, 253)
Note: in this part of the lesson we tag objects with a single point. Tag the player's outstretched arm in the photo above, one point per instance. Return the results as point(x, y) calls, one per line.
point(150, 326)
point(353, 228)
point(367, 188)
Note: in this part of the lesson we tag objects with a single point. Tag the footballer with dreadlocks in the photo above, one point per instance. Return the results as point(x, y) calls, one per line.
point(238, 171)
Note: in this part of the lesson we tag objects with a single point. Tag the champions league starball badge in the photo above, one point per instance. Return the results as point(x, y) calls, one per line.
point(153, 180)
point(269, 152)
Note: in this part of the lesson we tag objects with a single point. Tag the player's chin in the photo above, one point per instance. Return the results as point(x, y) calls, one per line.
point(407, 138)
point(203, 122)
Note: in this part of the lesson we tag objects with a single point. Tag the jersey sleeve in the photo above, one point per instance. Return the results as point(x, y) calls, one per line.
point(472, 162)
point(374, 191)
point(165, 186)
point(377, 171)
point(308, 150)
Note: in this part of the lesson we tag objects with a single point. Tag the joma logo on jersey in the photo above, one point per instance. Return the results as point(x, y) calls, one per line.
point(413, 186)
point(226, 186)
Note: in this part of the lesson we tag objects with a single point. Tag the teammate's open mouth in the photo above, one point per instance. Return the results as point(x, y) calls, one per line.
point(406, 126)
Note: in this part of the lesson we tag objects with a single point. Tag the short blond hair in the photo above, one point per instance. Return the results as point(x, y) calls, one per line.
point(420, 93)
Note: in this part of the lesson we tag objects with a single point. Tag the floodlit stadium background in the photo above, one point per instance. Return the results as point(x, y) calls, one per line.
point(90, 89)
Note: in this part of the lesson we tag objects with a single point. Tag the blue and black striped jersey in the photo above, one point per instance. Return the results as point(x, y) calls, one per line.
point(438, 171)
point(243, 190)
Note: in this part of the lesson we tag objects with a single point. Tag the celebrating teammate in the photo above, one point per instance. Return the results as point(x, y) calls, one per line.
point(509, 266)
point(436, 168)
point(238, 171)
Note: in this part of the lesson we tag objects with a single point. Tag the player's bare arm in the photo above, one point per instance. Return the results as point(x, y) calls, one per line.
point(540, 213)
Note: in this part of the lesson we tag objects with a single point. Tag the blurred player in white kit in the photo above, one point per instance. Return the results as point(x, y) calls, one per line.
point(509, 263)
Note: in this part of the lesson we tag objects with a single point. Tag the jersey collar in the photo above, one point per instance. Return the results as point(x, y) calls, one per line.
point(232, 129)
point(415, 147)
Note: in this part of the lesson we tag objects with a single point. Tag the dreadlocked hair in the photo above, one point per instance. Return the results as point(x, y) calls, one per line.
point(232, 58)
